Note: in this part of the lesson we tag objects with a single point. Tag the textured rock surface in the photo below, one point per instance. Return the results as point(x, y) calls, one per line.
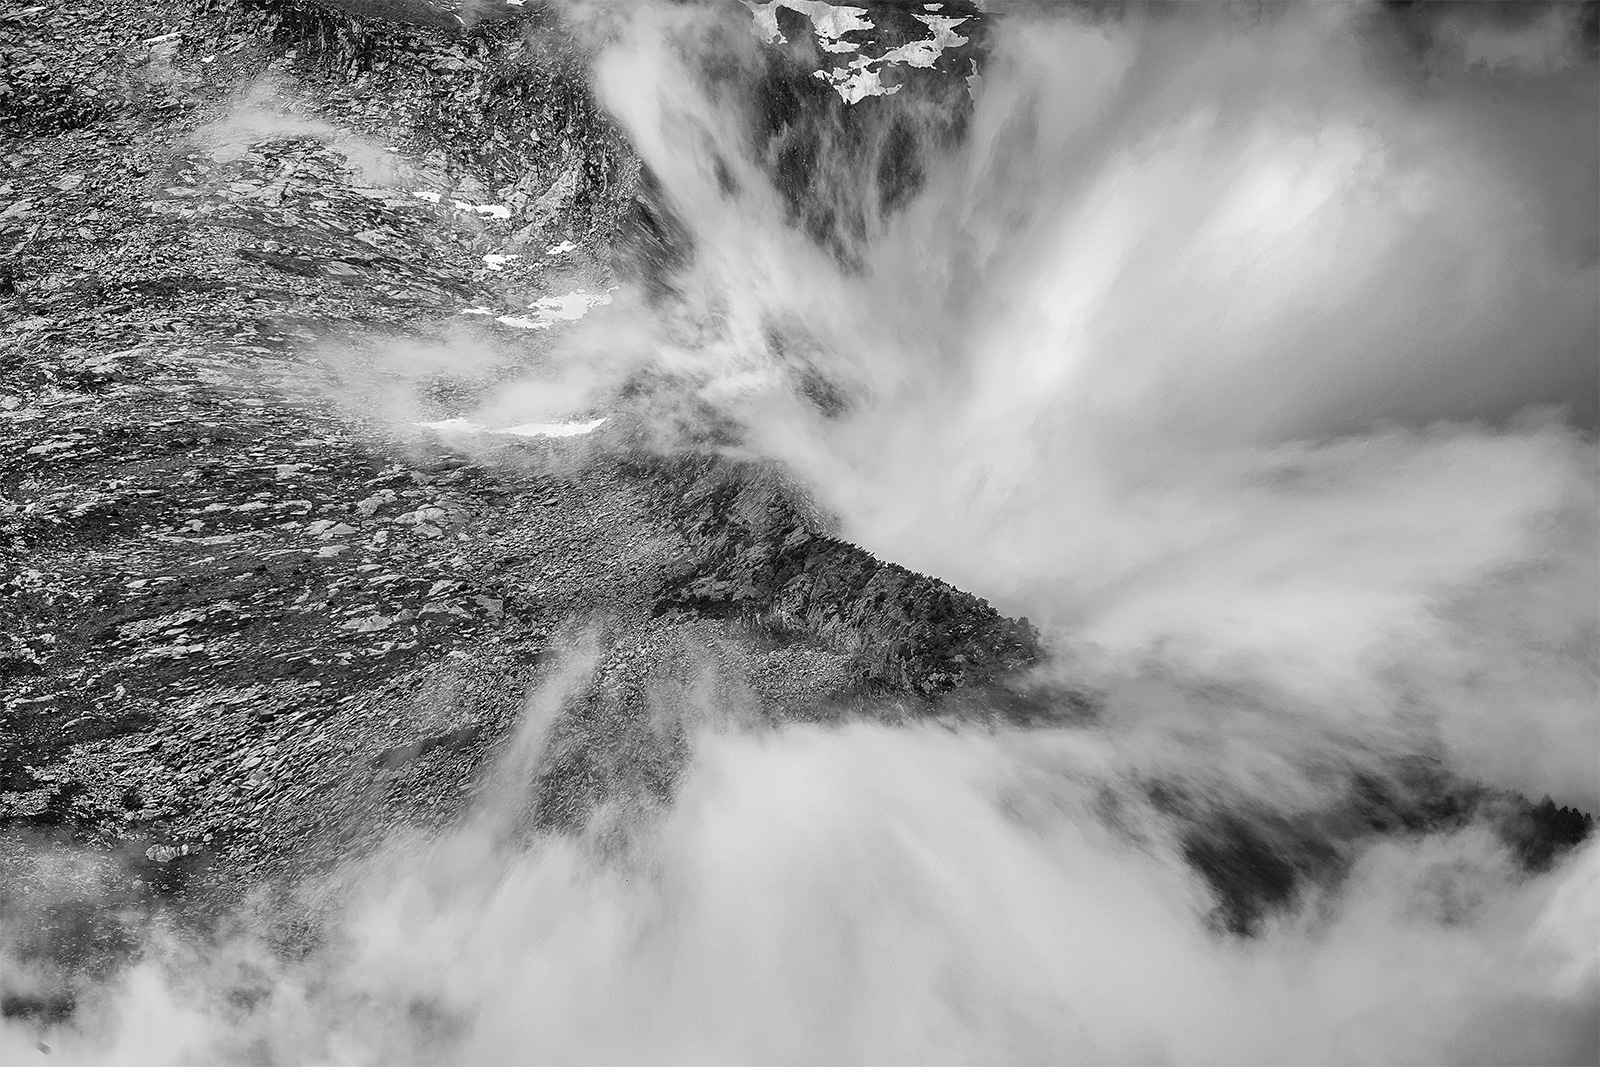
point(253, 618)
point(245, 598)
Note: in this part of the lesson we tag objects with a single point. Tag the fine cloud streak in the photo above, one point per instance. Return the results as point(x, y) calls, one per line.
point(1251, 357)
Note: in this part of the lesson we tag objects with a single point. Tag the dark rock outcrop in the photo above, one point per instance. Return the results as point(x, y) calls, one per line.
point(757, 556)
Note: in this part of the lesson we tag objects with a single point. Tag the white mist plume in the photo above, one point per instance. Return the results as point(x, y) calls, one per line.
point(873, 894)
point(1202, 349)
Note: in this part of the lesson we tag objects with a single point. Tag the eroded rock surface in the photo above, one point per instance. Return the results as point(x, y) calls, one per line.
point(255, 611)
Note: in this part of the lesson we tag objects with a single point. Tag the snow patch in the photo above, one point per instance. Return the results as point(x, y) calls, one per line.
point(575, 305)
point(925, 53)
point(863, 75)
point(495, 261)
point(552, 429)
point(829, 21)
point(488, 211)
point(547, 311)
point(857, 85)
point(523, 323)
point(527, 429)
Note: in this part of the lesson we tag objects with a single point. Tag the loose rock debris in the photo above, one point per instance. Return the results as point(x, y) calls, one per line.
point(213, 568)
point(231, 587)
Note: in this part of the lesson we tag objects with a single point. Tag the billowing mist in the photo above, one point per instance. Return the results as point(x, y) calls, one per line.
point(870, 893)
point(1249, 345)
point(1250, 353)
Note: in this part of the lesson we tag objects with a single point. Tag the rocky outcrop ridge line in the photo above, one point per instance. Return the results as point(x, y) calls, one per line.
point(758, 556)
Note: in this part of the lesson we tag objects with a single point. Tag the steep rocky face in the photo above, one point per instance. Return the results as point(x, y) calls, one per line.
point(226, 576)
point(847, 149)
point(266, 602)
point(839, 113)
point(755, 555)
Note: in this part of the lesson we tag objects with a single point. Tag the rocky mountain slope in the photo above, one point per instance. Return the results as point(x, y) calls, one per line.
point(256, 612)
